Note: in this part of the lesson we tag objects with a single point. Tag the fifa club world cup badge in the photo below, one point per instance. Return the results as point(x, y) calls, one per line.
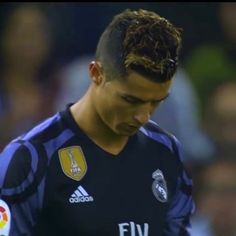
point(73, 162)
point(159, 187)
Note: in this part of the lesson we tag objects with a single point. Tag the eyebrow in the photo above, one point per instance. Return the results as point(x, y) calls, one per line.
point(142, 101)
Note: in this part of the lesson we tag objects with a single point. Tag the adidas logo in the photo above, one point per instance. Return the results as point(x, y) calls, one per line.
point(80, 195)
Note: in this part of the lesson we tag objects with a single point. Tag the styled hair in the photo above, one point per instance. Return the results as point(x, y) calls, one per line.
point(141, 41)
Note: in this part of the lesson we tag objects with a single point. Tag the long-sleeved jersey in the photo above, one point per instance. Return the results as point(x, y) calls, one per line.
point(57, 181)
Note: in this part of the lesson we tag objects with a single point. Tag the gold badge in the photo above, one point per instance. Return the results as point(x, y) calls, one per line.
point(73, 162)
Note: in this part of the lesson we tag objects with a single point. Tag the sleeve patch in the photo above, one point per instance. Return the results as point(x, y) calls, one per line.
point(5, 218)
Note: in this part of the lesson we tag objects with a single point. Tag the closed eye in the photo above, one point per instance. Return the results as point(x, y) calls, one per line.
point(132, 100)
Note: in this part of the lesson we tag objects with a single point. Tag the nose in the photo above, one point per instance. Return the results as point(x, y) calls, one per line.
point(142, 115)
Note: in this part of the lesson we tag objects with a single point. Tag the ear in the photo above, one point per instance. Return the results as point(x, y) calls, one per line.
point(95, 72)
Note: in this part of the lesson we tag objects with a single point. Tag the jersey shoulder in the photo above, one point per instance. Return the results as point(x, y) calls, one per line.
point(24, 160)
point(153, 131)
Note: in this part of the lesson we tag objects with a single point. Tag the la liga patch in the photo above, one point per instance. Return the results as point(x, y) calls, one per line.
point(5, 219)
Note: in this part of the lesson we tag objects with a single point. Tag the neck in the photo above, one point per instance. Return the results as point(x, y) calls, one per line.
point(93, 126)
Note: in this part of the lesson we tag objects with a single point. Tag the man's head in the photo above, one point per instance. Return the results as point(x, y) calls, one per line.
point(141, 41)
point(217, 194)
point(136, 58)
point(220, 117)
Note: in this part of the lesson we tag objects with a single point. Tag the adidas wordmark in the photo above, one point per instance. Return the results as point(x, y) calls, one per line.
point(80, 195)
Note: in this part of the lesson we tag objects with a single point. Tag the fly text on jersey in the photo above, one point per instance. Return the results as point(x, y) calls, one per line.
point(132, 229)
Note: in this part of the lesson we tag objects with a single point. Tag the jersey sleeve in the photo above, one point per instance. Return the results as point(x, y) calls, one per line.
point(21, 186)
point(182, 205)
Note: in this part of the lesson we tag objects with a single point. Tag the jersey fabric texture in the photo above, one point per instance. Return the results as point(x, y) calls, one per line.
point(142, 191)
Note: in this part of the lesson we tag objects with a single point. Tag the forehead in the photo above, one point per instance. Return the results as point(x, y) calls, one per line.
point(140, 86)
point(222, 173)
point(224, 99)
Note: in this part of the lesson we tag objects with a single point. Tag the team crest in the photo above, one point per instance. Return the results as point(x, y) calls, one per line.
point(159, 187)
point(73, 162)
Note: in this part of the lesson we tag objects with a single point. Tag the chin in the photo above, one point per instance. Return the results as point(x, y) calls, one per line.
point(126, 133)
point(124, 130)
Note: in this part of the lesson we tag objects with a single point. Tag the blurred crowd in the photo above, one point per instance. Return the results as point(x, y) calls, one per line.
point(42, 70)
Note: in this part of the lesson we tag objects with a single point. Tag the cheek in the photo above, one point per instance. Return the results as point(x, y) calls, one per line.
point(118, 116)
point(117, 113)
point(111, 108)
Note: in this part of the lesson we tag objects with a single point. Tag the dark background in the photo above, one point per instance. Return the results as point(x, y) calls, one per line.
point(77, 26)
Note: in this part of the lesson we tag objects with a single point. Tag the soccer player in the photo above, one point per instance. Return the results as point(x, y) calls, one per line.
point(101, 167)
